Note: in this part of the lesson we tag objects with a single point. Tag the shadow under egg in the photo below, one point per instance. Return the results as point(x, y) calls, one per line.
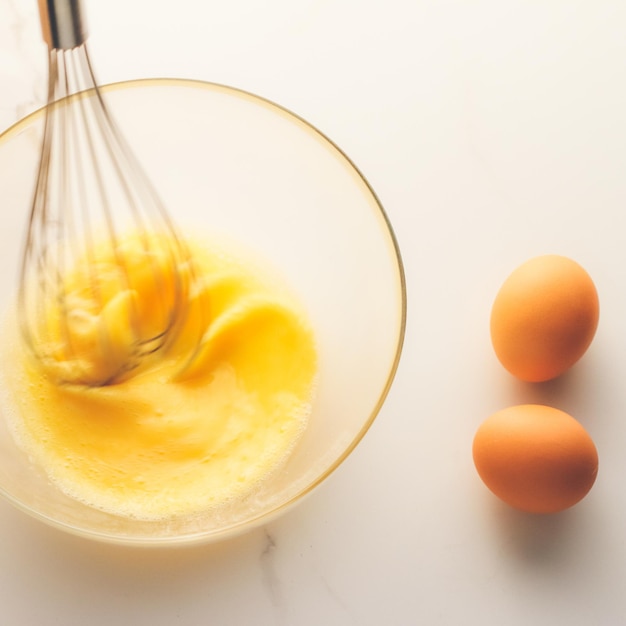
point(572, 392)
point(552, 541)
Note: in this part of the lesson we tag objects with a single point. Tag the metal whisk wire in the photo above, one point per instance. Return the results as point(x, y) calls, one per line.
point(90, 190)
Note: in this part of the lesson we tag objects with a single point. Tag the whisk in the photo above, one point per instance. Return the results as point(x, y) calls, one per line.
point(103, 283)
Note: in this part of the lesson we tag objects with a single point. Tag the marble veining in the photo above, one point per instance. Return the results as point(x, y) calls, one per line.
point(270, 579)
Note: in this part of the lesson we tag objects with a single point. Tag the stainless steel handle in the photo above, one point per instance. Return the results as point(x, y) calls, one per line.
point(62, 23)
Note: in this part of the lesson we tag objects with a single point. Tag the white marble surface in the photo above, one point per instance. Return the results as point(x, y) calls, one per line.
point(492, 130)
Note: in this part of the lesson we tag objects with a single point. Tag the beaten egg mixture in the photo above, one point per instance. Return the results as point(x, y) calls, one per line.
point(182, 435)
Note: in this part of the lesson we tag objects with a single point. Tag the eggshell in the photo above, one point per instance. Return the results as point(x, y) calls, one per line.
point(544, 318)
point(535, 458)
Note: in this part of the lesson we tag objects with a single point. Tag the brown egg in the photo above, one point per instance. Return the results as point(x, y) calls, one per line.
point(544, 317)
point(536, 458)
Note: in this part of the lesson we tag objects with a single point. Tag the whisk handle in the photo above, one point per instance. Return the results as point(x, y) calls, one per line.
point(62, 23)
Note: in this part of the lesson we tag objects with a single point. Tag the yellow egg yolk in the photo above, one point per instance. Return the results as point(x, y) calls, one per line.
point(205, 423)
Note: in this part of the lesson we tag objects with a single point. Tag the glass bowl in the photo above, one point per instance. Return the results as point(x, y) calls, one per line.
point(245, 168)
